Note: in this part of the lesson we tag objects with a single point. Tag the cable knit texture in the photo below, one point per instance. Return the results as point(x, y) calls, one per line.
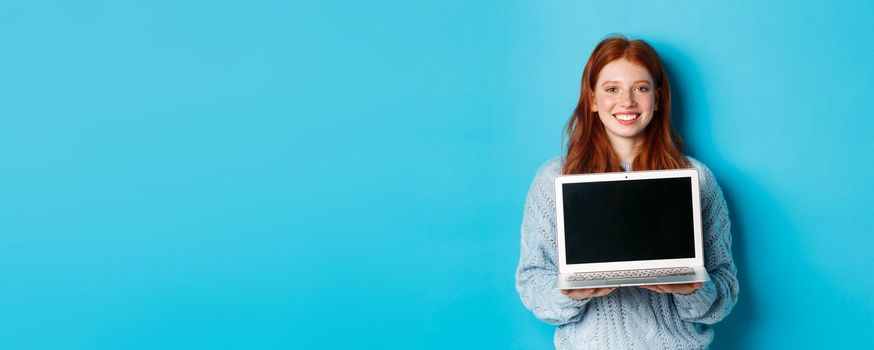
point(630, 317)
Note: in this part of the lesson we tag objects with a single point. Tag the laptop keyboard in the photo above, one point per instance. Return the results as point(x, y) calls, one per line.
point(588, 276)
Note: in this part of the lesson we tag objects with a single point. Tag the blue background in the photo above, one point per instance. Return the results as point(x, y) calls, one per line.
point(238, 174)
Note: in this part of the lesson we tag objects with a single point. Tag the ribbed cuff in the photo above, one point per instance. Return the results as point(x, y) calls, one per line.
point(702, 297)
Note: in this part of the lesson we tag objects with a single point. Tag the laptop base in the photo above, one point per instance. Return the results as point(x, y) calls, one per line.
point(699, 276)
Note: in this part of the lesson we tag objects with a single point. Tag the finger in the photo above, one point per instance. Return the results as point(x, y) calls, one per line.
point(602, 292)
point(585, 293)
point(661, 289)
point(693, 287)
point(689, 287)
point(608, 290)
point(684, 291)
point(578, 294)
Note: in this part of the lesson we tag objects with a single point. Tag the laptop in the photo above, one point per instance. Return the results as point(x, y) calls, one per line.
point(629, 229)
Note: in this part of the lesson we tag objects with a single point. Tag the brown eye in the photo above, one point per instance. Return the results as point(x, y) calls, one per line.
point(611, 90)
point(643, 89)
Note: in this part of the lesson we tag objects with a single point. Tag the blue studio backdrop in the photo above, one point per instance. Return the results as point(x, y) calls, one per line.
point(326, 175)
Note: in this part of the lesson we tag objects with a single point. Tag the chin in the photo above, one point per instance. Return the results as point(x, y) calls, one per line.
point(624, 132)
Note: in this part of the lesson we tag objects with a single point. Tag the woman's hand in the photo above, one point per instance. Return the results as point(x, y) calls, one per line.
point(580, 294)
point(685, 289)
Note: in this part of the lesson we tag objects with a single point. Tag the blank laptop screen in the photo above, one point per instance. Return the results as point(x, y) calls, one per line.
point(628, 220)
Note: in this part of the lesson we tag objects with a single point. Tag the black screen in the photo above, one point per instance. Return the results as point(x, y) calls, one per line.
point(628, 220)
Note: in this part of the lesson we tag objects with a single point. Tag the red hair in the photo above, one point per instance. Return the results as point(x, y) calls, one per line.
point(589, 150)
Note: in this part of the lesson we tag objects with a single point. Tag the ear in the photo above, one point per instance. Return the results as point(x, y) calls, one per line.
point(593, 103)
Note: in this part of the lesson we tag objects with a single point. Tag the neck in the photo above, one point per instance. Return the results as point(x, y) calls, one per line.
point(625, 148)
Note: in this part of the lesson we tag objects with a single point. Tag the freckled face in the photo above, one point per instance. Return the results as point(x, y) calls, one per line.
point(625, 100)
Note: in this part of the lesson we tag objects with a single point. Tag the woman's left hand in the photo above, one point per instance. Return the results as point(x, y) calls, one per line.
point(685, 289)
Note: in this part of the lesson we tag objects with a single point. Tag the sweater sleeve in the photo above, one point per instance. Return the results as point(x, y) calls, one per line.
point(717, 297)
point(537, 270)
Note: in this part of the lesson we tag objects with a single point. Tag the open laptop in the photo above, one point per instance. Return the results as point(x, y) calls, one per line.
point(629, 229)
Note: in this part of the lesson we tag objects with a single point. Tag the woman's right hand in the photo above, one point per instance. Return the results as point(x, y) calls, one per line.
point(580, 294)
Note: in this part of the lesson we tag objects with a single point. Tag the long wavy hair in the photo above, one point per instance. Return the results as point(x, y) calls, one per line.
point(589, 150)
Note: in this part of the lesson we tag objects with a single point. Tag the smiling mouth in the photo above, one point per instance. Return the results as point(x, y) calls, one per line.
point(626, 118)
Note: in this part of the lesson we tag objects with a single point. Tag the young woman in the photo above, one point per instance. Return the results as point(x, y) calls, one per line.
point(622, 122)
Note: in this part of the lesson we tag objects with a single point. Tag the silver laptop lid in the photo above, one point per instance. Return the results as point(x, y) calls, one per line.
point(630, 220)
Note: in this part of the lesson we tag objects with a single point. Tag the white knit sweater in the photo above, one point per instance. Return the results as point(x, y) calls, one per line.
point(629, 317)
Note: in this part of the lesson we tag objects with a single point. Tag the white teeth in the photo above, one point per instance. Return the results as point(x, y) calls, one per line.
point(626, 117)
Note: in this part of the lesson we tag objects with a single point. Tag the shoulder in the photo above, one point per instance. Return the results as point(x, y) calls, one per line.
point(543, 186)
point(548, 171)
point(703, 170)
point(697, 164)
point(710, 189)
point(542, 191)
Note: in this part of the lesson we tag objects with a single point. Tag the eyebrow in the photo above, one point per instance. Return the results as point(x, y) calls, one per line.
point(616, 82)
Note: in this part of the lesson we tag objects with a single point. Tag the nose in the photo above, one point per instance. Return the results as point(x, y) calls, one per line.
point(626, 99)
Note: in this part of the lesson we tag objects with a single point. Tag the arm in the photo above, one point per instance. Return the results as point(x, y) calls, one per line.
point(717, 297)
point(537, 270)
